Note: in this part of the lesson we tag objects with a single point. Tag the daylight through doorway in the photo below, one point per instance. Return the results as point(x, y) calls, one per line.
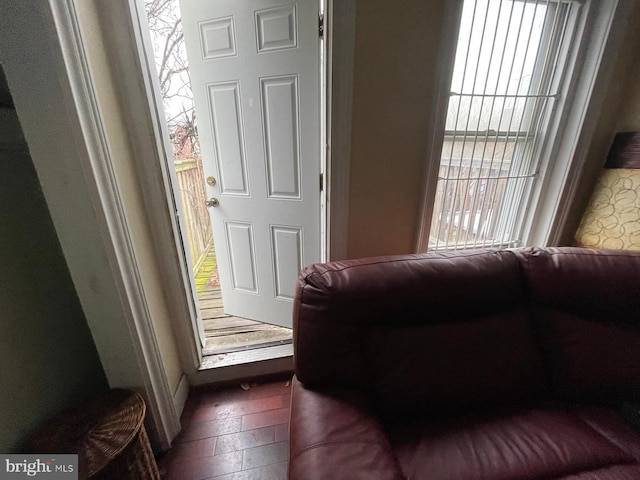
point(222, 333)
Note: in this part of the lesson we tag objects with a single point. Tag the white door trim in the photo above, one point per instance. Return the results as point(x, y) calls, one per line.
point(438, 113)
point(43, 57)
point(155, 172)
point(99, 170)
point(112, 219)
point(72, 86)
point(156, 178)
point(338, 158)
point(340, 32)
point(558, 210)
point(340, 27)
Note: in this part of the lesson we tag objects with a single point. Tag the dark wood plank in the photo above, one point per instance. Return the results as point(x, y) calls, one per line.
point(211, 303)
point(226, 333)
point(210, 294)
point(245, 341)
point(249, 334)
point(213, 444)
point(213, 313)
point(225, 322)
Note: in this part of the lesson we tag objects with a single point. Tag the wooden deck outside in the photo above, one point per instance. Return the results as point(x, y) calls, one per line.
point(225, 333)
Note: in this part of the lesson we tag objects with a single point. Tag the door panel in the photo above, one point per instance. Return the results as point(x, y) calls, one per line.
point(276, 28)
point(254, 68)
point(279, 98)
point(243, 257)
point(286, 245)
point(228, 137)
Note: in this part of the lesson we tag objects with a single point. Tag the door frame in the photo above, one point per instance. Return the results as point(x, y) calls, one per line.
point(339, 48)
point(556, 200)
point(45, 61)
point(261, 244)
point(75, 168)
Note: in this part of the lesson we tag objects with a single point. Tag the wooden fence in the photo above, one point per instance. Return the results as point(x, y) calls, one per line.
point(193, 195)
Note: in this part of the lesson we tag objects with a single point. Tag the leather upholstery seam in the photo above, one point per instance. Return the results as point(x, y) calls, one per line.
point(335, 442)
point(380, 262)
point(296, 331)
point(608, 439)
point(589, 253)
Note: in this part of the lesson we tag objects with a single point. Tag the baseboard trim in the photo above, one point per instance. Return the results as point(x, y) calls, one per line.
point(181, 394)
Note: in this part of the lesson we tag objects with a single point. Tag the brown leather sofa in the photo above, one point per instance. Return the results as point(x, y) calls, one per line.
point(470, 365)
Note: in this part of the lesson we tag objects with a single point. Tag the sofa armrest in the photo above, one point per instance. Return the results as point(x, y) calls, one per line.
point(334, 434)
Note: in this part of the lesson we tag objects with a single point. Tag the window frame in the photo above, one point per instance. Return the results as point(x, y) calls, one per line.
point(555, 198)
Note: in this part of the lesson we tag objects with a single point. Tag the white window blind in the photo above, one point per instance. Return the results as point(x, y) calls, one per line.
point(509, 65)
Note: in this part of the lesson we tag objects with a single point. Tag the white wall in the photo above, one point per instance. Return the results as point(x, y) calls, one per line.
point(65, 147)
point(396, 54)
point(47, 357)
point(120, 145)
point(620, 112)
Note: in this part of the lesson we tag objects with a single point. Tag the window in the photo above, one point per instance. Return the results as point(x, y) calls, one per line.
point(509, 71)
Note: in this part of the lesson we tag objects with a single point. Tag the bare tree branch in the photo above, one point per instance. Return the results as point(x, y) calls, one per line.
point(169, 47)
point(165, 25)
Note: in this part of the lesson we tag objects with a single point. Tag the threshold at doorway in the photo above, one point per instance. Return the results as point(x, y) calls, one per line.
point(233, 366)
point(227, 334)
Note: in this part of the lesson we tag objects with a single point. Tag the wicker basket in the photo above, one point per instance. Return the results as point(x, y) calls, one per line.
point(107, 433)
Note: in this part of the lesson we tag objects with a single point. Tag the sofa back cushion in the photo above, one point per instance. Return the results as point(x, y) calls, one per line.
point(586, 307)
point(485, 361)
point(418, 332)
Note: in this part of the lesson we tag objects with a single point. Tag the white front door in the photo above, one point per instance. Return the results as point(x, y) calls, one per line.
point(254, 68)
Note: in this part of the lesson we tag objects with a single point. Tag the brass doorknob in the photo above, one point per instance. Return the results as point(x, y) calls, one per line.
point(213, 202)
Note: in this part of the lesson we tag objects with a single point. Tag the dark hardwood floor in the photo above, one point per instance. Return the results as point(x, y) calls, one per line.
point(232, 434)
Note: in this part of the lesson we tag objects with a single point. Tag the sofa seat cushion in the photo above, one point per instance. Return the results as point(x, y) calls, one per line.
point(545, 443)
point(334, 435)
